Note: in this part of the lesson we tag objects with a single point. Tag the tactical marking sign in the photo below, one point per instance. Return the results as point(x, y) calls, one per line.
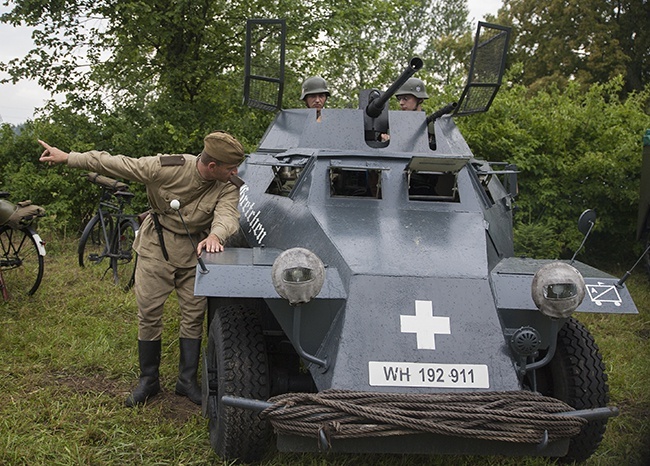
point(425, 325)
point(411, 374)
point(602, 293)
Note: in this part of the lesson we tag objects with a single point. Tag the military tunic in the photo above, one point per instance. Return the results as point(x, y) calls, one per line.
point(206, 207)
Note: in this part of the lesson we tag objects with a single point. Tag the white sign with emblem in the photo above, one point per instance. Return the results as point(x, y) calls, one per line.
point(411, 374)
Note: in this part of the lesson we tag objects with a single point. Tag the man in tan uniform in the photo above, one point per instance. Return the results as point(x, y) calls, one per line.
point(166, 258)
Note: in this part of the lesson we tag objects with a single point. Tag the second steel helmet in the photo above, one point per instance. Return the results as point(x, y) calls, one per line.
point(413, 86)
point(314, 85)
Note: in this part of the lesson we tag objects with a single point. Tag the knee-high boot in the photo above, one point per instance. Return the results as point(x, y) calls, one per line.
point(149, 385)
point(188, 364)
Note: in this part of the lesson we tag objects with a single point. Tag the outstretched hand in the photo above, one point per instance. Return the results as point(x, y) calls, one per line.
point(52, 155)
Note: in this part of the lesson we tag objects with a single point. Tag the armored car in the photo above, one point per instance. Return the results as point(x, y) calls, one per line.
point(374, 293)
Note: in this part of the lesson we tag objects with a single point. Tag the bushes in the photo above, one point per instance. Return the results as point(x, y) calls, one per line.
point(576, 149)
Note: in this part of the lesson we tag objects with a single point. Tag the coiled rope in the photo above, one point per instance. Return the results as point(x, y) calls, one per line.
point(523, 417)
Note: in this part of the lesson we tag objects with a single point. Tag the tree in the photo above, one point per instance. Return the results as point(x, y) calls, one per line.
point(575, 150)
point(449, 42)
point(590, 41)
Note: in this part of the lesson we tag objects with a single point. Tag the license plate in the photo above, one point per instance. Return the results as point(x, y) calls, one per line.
point(412, 374)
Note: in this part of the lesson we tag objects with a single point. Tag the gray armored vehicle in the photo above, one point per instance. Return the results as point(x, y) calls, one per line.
point(374, 292)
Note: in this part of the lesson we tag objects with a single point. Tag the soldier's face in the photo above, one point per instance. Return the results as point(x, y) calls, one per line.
point(223, 172)
point(315, 100)
point(408, 102)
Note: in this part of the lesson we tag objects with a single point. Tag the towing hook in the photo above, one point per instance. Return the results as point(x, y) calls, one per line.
point(544, 442)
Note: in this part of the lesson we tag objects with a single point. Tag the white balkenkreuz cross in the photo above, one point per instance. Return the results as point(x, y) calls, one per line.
point(425, 325)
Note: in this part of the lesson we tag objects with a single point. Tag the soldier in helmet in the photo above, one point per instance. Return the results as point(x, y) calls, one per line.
point(411, 95)
point(315, 94)
point(208, 191)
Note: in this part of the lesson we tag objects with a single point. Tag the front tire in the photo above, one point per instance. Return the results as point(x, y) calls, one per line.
point(237, 365)
point(576, 375)
point(124, 259)
point(21, 263)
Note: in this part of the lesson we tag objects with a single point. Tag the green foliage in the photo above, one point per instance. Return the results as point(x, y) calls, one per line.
point(536, 240)
point(576, 149)
point(591, 41)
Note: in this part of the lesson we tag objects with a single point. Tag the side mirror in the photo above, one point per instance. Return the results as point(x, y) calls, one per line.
point(587, 221)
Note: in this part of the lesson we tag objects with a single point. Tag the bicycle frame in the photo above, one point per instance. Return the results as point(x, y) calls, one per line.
point(111, 229)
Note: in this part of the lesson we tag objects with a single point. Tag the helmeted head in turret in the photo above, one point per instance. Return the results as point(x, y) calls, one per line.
point(314, 92)
point(411, 95)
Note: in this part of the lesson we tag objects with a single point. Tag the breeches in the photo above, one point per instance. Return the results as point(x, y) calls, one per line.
point(154, 282)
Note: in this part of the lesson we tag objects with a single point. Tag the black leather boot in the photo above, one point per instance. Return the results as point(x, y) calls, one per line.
point(149, 385)
point(187, 368)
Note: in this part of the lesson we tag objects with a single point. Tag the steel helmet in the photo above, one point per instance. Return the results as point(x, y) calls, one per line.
point(314, 85)
point(6, 211)
point(413, 86)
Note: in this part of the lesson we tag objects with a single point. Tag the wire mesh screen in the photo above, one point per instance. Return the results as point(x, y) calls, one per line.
point(264, 67)
point(486, 68)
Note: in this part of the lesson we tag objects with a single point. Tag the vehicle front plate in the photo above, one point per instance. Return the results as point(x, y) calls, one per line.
point(412, 374)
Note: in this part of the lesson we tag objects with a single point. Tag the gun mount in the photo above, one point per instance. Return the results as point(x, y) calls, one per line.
point(377, 101)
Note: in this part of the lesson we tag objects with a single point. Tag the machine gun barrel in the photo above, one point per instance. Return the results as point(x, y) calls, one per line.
point(443, 111)
point(376, 105)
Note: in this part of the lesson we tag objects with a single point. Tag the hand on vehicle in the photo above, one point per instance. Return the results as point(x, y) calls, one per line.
point(210, 244)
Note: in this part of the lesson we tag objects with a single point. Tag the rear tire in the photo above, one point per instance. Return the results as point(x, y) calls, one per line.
point(237, 366)
point(22, 265)
point(92, 245)
point(576, 375)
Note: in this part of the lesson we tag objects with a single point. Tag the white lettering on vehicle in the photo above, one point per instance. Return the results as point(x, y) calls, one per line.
point(425, 325)
point(434, 375)
point(251, 215)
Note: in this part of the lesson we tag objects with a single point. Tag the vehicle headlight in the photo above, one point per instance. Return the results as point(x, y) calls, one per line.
point(558, 289)
point(298, 275)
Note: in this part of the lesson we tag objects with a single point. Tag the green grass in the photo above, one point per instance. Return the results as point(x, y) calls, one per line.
point(68, 359)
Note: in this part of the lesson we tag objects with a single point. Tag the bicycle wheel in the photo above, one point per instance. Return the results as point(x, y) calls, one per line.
point(123, 260)
point(93, 247)
point(21, 261)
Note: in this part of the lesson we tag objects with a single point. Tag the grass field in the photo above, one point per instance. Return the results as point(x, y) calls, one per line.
point(68, 359)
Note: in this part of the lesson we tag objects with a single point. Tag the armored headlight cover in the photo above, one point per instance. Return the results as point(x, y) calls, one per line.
point(298, 275)
point(557, 289)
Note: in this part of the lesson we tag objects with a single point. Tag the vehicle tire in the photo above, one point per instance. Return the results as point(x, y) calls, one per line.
point(22, 265)
point(124, 259)
point(92, 245)
point(576, 375)
point(237, 366)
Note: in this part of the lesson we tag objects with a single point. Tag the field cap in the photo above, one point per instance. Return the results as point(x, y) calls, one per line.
point(222, 147)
